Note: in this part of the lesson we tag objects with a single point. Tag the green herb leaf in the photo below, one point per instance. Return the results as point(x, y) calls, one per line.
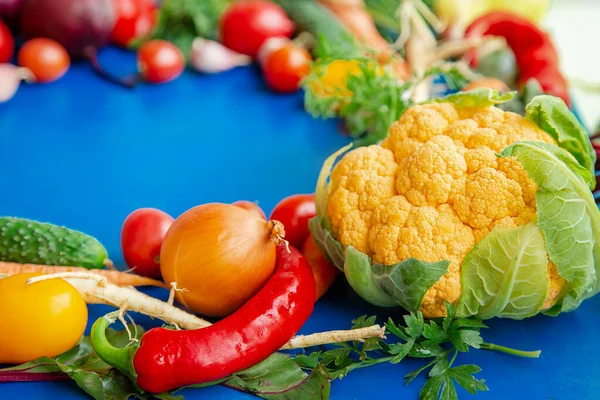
point(463, 375)
point(431, 389)
point(504, 275)
point(370, 101)
point(434, 332)
point(553, 116)
point(279, 377)
point(401, 350)
point(464, 338)
point(449, 390)
point(364, 321)
point(440, 367)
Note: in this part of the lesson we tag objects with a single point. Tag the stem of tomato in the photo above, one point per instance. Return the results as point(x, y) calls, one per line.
point(508, 350)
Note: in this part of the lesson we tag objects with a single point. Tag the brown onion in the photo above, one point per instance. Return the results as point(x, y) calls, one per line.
point(220, 255)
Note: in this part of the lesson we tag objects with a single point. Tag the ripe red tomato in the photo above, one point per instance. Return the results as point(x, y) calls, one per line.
point(285, 67)
point(45, 58)
point(323, 271)
point(7, 43)
point(160, 61)
point(142, 235)
point(294, 212)
point(135, 19)
point(246, 24)
point(250, 206)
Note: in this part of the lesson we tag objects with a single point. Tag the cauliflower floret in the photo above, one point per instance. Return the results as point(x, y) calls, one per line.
point(488, 196)
point(434, 189)
point(427, 176)
point(417, 125)
point(400, 230)
point(359, 183)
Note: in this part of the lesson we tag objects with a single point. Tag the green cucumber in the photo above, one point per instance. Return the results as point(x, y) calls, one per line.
point(30, 242)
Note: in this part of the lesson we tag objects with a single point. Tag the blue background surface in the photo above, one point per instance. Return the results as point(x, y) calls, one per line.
point(84, 153)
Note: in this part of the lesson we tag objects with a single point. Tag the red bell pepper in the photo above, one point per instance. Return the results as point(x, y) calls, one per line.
point(169, 359)
point(534, 50)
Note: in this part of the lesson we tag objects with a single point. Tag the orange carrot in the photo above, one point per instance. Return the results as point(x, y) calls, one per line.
point(113, 276)
point(354, 16)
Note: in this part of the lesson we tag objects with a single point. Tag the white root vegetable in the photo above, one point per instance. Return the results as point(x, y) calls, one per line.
point(317, 339)
point(10, 80)
point(97, 290)
point(210, 57)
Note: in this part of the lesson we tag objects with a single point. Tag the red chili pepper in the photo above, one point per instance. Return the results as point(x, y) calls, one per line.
point(534, 50)
point(168, 359)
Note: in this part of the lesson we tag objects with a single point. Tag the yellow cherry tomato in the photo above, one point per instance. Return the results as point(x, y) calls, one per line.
point(44, 318)
point(334, 76)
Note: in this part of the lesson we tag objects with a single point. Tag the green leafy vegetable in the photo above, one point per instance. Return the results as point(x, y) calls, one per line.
point(567, 215)
point(359, 273)
point(279, 377)
point(331, 248)
point(181, 21)
point(85, 368)
point(312, 17)
point(500, 64)
point(439, 342)
point(505, 274)
point(403, 284)
point(378, 99)
point(553, 116)
point(527, 92)
point(480, 97)
point(276, 378)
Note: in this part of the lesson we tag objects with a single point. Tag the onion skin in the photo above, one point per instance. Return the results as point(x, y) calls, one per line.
point(221, 255)
point(81, 26)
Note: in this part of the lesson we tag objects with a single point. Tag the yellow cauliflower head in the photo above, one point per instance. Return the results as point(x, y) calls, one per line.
point(435, 188)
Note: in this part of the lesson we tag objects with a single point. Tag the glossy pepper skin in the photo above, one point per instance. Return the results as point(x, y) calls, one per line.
point(534, 50)
point(169, 359)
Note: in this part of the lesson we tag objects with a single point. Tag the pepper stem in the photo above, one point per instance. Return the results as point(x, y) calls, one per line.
point(120, 358)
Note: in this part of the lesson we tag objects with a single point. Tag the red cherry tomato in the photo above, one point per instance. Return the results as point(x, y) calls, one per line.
point(160, 61)
point(323, 271)
point(142, 235)
point(250, 206)
point(285, 67)
point(294, 212)
point(246, 24)
point(135, 19)
point(45, 58)
point(7, 43)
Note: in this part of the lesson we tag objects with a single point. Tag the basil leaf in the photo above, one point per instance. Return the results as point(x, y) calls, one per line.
point(553, 116)
point(403, 284)
point(504, 275)
point(279, 377)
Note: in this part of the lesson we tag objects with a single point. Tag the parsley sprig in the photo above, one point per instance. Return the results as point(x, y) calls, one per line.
point(439, 342)
point(372, 99)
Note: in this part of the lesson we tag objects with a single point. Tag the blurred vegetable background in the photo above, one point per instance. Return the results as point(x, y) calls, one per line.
point(367, 64)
